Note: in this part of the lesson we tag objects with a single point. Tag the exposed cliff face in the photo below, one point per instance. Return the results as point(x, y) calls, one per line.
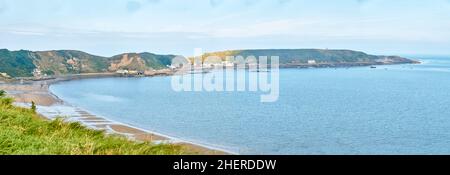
point(140, 61)
point(127, 61)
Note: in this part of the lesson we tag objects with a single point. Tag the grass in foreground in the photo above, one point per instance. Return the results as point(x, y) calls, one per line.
point(23, 132)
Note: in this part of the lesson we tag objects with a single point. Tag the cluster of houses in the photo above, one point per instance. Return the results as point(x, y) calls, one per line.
point(312, 62)
point(215, 65)
point(171, 68)
point(129, 72)
point(384, 60)
point(125, 72)
point(37, 73)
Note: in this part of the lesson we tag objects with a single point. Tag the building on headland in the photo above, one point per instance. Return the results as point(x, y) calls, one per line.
point(133, 72)
point(37, 73)
point(123, 72)
point(171, 66)
point(312, 62)
point(130, 72)
point(384, 60)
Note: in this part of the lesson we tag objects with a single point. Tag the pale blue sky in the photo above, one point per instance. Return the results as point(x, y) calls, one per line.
point(109, 27)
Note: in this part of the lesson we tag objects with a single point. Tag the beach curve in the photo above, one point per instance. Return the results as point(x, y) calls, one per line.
point(50, 106)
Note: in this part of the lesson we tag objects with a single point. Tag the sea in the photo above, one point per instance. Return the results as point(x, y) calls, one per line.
point(391, 109)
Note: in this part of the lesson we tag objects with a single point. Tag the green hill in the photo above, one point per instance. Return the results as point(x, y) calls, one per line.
point(61, 62)
point(69, 62)
point(302, 56)
point(16, 64)
point(140, 61)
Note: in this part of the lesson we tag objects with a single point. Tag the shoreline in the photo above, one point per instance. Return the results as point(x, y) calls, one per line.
point(51, 106)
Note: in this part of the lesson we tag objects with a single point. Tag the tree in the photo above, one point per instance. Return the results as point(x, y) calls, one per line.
point(33, 106)
point(2, 93)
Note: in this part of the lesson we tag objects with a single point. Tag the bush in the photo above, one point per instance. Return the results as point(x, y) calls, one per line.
point(33, 107)
point(5, 101)
point(2, 93)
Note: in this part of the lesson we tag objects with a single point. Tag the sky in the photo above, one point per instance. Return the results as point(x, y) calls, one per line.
point(110, 27)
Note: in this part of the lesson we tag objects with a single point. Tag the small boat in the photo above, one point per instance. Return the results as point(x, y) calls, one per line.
point(373, 67)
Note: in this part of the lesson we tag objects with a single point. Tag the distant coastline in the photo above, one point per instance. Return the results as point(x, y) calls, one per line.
point(43, 65)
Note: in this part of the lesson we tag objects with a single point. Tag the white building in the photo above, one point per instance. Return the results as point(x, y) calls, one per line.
point(312, 62)
point(37, 73)
point(122, 71)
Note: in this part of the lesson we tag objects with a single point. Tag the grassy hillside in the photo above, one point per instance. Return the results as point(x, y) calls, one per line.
point(69, 62)
point(140, 61)
point(298, 56)
point(62, 62)
point(16, 64)
point(24, 132)
point(157, 61)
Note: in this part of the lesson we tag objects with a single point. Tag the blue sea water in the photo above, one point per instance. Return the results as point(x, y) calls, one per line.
point(397, 109)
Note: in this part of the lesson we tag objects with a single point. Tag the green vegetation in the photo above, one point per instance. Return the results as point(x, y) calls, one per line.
point(156, 61)
point(23, 132)
point(299, 56)
point(33, 107)
point(48, 72)
point(141, 61)
point(62, 62)
point(5, 101)
point(16, 64)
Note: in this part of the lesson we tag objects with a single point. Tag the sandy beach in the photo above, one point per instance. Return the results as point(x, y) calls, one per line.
point(51, 107)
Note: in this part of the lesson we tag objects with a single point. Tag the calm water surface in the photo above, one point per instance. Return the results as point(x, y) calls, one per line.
point(400, 109)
